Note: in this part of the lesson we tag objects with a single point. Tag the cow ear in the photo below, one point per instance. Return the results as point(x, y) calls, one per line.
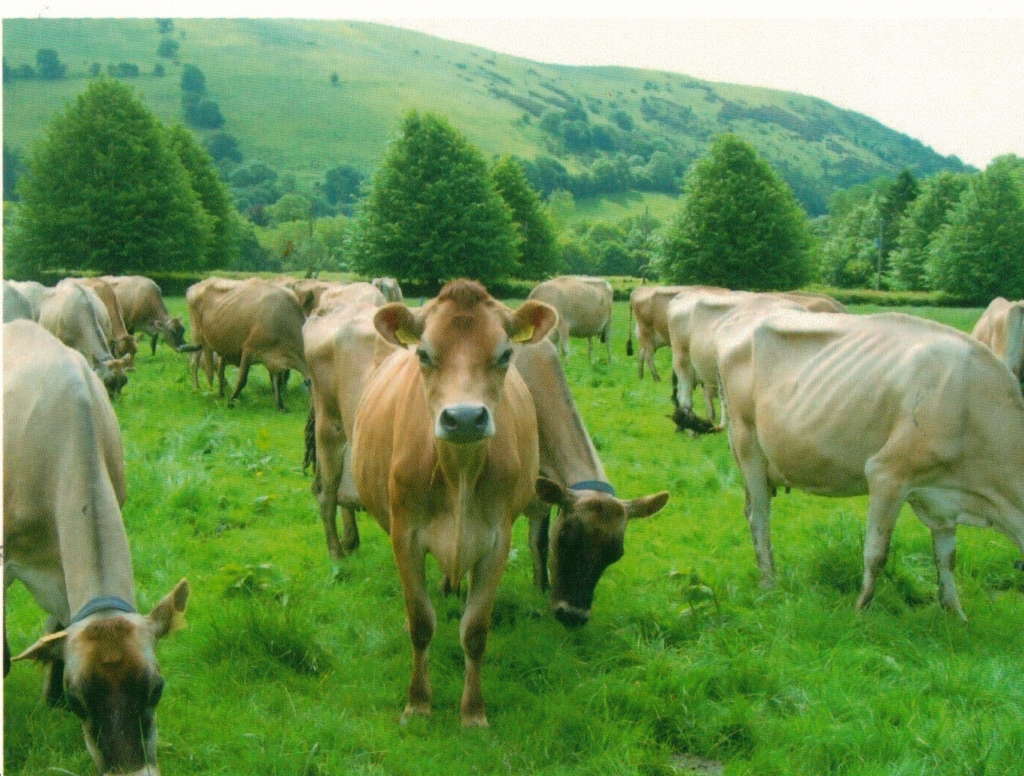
point(169, 615)
point(396, 323)
point(48, 649)
point(531, 322)
point(551, 492)
point(645, 506)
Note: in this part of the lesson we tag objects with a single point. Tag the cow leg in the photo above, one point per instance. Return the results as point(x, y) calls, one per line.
point(221, 366)
point(152, 343)
point(243, 374)
point(277, 383)
point(421, 620)
point(648, 351)
point(640, 358)
point(944, 547)
point(758, 504)
point(590, 350)
point(884, 501)
point(539, 515)
point(475, 624)
point(193, 367)
point(326, 480)
point(7, 650)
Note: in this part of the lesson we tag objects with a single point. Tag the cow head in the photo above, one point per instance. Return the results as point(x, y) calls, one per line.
point(173, 333)
point(464, 341)
point(112, 682)
point(389, 288)
point(126, 346)
point(113, 373)
point(586, 538)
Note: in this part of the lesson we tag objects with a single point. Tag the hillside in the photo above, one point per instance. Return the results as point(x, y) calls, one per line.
point(594, 130)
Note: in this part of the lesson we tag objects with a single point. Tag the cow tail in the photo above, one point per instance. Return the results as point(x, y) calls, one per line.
point(629, 330)
point(309, 455)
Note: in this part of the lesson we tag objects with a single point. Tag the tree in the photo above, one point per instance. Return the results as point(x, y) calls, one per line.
point(49, 66)
point(979, 253)
point(849, 250)
point(168, 48)
point(203, 114)
point(223, 145)
point(213, 195)
point(538, 257)
point(431, 213)
point(105, 191)
point(939, 195)
point(739, 226)
point(13, 169)
point(342, 184)
point(193, 80)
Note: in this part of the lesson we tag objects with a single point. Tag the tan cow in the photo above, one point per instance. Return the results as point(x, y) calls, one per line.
point(812, 302)
point(121, 342)
point(77, 317)
point(143, 309)
point(584, 306)
point(248, 322)
point(389, 287)
point(1001, 327)
point(350, 293)
point(306, 290)
point(445, 457)
point(893, 406)
point(648, 305)
point(65, 541)
point(589, 528)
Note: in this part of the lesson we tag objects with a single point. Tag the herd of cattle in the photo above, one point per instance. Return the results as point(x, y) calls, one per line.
point(447, 421)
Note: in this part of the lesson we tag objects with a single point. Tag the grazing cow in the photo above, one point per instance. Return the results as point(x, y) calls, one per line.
point(648, 305)
point(350, 293)
point(389, 287)
point(445, 457)
point(33, 292)
point(16, 305)
point(77, 317)
point(340, 345)
point(890, 405)
point(588, 531)
point(65, 541)
point(584, 306)
point(143, 309)
point(121, 342)
point(248, 322)
point(1001, 327)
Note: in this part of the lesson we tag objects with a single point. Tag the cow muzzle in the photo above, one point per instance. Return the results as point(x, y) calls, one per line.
point(464, 423)
point(570, 616)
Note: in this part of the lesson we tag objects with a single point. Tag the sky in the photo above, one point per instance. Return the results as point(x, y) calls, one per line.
point(950, 74)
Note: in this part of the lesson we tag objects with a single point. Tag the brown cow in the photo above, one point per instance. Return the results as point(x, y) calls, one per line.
point(77, 317)
point(445, 457)
point(143, 309)
point(121, 343)
point(64, 539)
point(649, 306)
point(588, 531)
point(1001, 327)
point(248, 322)
point(584, 306)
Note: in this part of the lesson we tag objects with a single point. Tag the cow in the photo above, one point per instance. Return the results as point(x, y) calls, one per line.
point(306, 290)
point(122, 344)
point(444, 456)
point(589, 528)
point(812, 302)
point(143, 309)
point(350, 293)
point(340, 346)
point(389, 287)
point(647, 304)
point(1001, 327)
point(64, 539)
point(897, 407)
point(244, 323)
point(33, 292)
point(16, 305)
point(77, 317)
point(584, 306)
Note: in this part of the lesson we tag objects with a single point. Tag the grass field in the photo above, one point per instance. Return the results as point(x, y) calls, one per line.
point(293, 665)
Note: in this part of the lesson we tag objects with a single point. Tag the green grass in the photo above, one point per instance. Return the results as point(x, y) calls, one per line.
point(296, 665)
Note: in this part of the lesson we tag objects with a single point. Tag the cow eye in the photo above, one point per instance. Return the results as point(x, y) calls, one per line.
point(504, 359)
point(424, 357)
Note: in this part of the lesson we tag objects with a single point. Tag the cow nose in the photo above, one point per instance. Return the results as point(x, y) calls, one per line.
point(463, 423)
point(571, 616)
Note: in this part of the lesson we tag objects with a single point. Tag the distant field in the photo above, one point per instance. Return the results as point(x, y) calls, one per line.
point(294, 665)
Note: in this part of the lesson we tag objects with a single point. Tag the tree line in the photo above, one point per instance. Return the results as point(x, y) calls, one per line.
point(111, 189)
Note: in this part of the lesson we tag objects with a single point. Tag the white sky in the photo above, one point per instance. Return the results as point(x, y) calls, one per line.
point(950, 74)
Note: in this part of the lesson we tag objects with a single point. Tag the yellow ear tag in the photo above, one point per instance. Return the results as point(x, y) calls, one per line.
point(523, 335)
point(405, 337)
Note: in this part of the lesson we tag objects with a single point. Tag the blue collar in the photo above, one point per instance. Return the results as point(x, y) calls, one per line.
point(102, 604)
point(603, 487)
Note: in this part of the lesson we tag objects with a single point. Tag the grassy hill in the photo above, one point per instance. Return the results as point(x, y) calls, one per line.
point(273, 82)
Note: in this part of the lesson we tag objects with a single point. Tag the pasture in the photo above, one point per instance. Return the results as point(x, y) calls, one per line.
point(297, 666)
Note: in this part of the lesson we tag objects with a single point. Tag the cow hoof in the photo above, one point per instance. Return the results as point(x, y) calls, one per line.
point(475, 721)
point(413, 711)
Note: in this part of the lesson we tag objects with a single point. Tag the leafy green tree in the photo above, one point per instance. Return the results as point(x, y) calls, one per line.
point(213, 195)
point(105, 191)
point(13, 169)
point(538, 257)
point(342, 185)
point(939, 195)
point(168, 48)
point(739, 226)
point(223, 145)
point(49, 66)
point(193, 80)
point(979, 253)
point(431, 213)
point(849, 249)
